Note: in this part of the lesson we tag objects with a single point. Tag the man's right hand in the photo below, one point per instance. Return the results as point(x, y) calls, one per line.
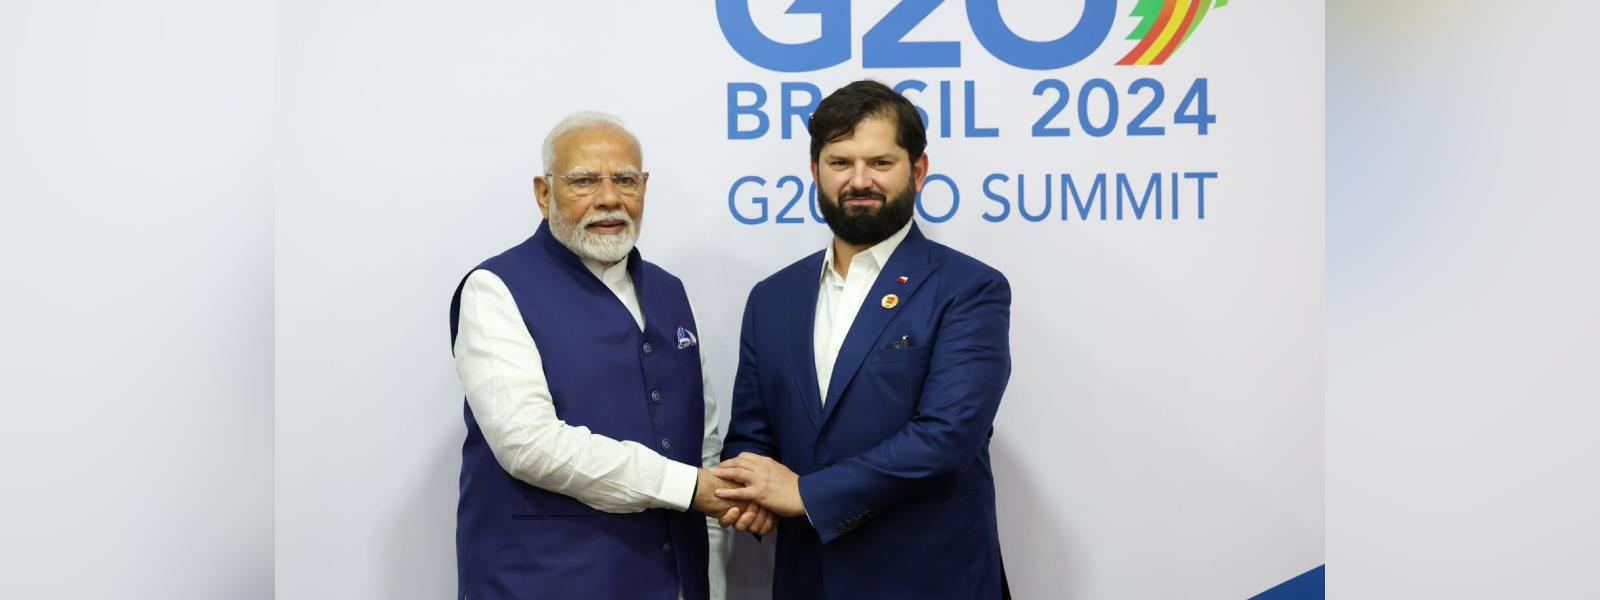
point(705, 497)
point(748, 516)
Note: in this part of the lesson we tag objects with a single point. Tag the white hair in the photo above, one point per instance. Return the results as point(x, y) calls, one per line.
point(581, 120)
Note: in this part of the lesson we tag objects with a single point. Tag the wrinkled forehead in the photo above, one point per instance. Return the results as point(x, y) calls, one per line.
point(597, 150)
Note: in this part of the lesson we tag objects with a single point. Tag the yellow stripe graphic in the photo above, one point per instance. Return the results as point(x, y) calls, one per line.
point(1167, 33)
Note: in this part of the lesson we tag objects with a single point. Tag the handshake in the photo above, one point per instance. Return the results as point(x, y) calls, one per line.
point(748, 492)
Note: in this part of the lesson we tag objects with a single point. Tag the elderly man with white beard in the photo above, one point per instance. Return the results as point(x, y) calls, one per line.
point(589, 421)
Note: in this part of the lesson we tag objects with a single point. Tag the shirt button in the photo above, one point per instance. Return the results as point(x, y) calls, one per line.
point(667, 547)
point(666, 444)
point(648, 348)
point(655, 396)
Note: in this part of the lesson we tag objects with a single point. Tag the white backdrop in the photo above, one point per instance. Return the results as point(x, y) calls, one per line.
point(1162, 436)
point(136, 247)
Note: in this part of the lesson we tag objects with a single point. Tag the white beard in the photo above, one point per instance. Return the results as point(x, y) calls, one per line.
point(604, 247)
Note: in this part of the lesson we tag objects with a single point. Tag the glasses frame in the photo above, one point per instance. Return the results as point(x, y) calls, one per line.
point(643, 176)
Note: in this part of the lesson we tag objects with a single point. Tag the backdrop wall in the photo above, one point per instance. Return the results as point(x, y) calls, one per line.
point(1161, 223)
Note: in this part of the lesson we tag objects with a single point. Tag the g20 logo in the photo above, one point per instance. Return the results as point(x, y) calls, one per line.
point(1164, 26)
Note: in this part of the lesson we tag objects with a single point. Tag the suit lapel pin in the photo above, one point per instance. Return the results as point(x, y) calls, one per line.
point(903, 279)
point(891, 301)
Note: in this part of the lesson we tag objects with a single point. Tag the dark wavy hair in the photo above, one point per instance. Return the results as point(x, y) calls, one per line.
point(838, 115)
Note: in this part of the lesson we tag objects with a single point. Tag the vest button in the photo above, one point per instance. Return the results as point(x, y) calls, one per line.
point(667, 547)
point(648, 348)
point(655, 396)
point(666, 444)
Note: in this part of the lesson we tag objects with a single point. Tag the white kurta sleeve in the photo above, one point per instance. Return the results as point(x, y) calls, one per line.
point(502, 373)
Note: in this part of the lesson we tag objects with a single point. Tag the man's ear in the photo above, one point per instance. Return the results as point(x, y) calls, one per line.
point(541, 194)
point(919, 171)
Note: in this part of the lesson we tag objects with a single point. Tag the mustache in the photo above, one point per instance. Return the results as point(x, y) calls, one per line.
point(862, 195)
point(615, 215)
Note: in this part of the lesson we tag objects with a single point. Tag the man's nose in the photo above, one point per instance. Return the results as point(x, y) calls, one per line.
point(607, 195)
point(860, 177)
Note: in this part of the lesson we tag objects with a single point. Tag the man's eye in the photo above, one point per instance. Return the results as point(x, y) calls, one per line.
point(626, 181)
point(585, 181)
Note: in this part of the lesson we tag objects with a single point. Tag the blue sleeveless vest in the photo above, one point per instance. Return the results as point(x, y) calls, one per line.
point(514, 540)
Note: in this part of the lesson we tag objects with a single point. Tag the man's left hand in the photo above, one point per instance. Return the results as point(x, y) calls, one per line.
point(766, 481)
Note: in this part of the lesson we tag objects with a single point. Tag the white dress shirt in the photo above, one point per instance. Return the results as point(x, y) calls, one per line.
point(839, 299)
point(500, 369)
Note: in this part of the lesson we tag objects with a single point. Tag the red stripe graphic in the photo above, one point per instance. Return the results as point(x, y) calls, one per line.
point(1150, 38)
point(1177, 38)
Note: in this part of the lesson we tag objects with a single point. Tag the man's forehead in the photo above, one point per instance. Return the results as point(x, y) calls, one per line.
point(594, 148)
point(864, 148)
point(874, 135)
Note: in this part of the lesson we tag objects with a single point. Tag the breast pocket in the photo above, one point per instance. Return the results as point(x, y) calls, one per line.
point(895, 377)
point(896, 355)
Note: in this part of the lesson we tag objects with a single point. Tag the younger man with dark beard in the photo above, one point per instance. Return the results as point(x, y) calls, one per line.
point(869, 377)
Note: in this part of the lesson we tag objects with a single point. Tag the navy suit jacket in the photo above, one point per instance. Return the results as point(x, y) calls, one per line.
point(894, 466)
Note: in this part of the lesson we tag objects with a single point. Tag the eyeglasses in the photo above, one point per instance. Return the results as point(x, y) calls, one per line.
point(629, 184)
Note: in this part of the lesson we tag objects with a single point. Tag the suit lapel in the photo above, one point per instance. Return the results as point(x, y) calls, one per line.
point(802, 317)
point(909, 260)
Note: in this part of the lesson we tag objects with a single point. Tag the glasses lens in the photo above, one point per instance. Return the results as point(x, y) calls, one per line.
point(584, 185)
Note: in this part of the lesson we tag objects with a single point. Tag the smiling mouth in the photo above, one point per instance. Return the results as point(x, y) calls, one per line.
point(607, 226)
point(862, 206)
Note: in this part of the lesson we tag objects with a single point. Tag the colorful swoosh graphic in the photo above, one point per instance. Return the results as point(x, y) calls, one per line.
point(1163, 26)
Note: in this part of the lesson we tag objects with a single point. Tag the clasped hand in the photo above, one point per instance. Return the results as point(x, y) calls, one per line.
point(750, 491)
point(744, 516)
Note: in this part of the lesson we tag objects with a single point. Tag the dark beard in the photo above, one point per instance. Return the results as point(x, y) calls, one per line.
point(862, 226)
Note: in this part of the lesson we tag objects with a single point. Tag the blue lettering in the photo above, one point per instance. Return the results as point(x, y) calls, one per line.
point(736, 110)
point(973, 131)
point(1022, 196)
point(912, 84)
point(1200, 189)
point(1006, 45)
point(955, 199)
point(831, 47)
point(757, 200)
point(803, 111)
point(1098, 189)
point(882, 46)
point(944, 109)
point(1005, 206)
point(1154, 186)
point(799, 190)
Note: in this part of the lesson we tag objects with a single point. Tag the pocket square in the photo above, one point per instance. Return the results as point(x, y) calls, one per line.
point(686, 338)
point(900, 344)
